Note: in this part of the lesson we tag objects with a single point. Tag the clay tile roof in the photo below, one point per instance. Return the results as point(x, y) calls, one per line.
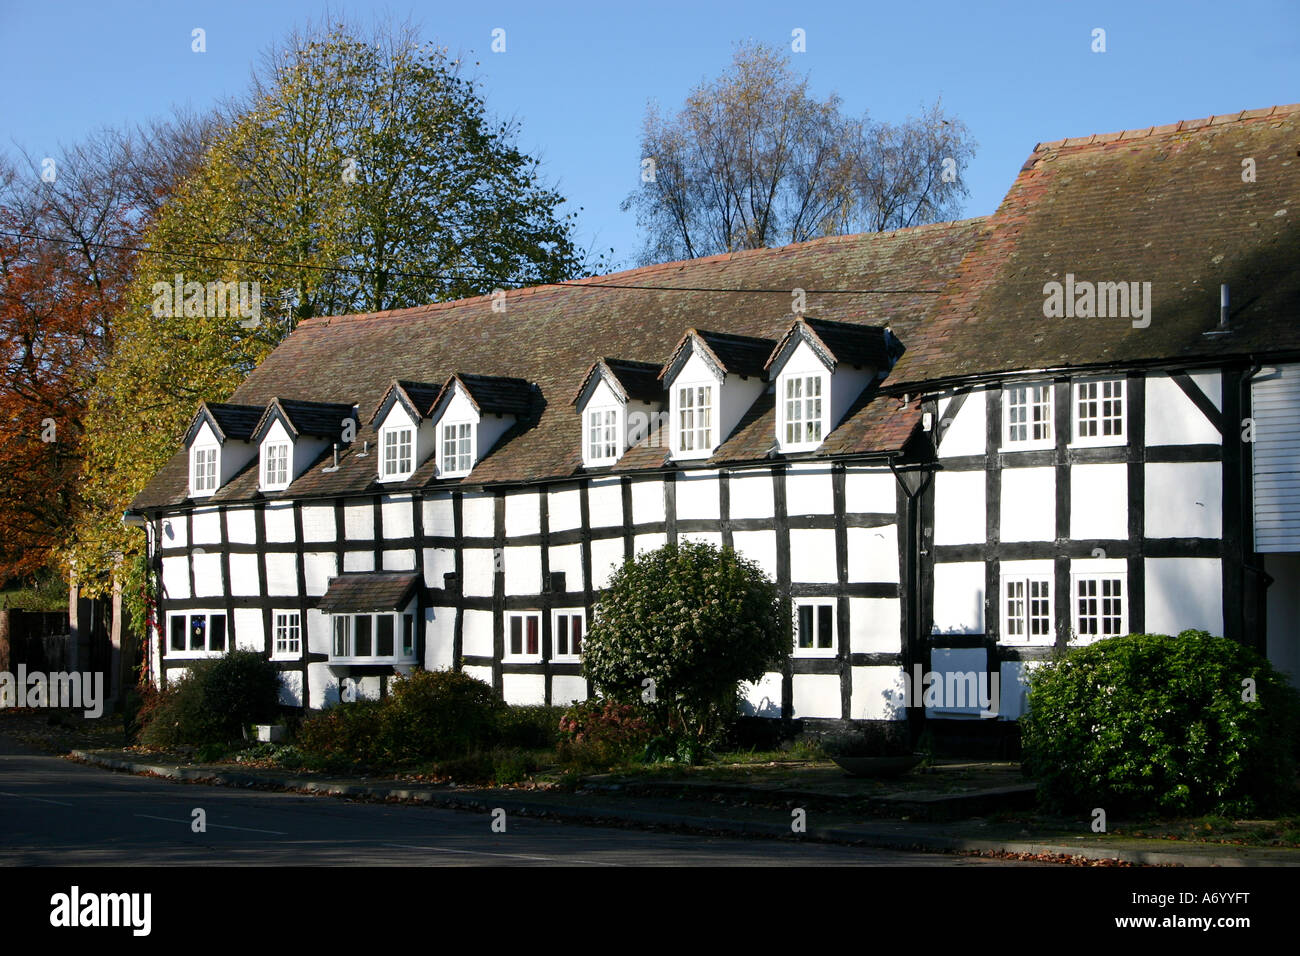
point(385, 591)
point(1165, 205)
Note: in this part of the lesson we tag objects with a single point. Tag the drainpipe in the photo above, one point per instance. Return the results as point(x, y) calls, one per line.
point(913, 642)
point(1260, 640)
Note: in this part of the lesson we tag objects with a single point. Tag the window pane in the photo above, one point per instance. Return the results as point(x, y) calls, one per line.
point(533, 645)
point(561, 635)
point(198, 632)
point(384, 637)
point(805, 626)
point(361, 636)
point(825, 628)
point(341, 642)
point(516, 635)
point(408, 636)
point(576, 620)
point(178, 632)
point(217, 636)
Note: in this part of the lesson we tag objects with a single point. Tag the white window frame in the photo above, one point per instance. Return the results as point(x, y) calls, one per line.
point(396, 431)
point(1017, 625)
point(462, 463)
point(523, 656)
point(567, 613)
point(269, 450)
point(803, 400)
point(702, 437)
point(1079, 394)
point(815, 605)
point(602, 439)
point(348, 654)
point(287, 625)
point(1098, 580)
point(1033, 394)
point(201, 481)
point(192, 653)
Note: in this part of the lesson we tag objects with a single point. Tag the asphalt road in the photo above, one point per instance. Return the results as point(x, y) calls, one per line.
point(56, 812)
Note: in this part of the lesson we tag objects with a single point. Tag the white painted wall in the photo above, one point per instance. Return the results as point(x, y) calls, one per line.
point(817, 695)
point(751, 494)
point(869, 491)
point(480, 566)
point(877, 694)
point(566, 689)
point(605, 501)
point(478, 511)
point(400, 559)
point(1099, 501)
point(476, 639)
point(439, 517)
point(207, 525)
point(281, 574)
point(564, 509)
point(762, 698)
point(808, 490)
point(959, 597)
point(523, 566)
point(318, 523)
point(279, 522)
point(243, 575)
point(439, 637)
point(873, 554)
point(606, 556)
point(758, 546)
point(1172, 419)
point(967, 430)
point(959, 507)
point(1028, 504)
point(397, 516)
point(1184, 499)
point(812, 556)
point(359, 520)
point(523, 689)
point(1184, 593)
point(318, 568)
point(697, 495)
point(523, 513)
point(358, 561)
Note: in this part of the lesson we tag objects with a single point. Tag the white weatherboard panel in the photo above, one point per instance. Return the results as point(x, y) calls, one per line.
point(359, 520)
point(817, 695)
point(207, 576)
point(478, 510)
point(1184, 499)
point(959, 507)
point(877, 693)
point(358, 561)
point(698, 496)
point(1184, 593)
point(243, 575)
point(439, 635)
point(1099, 501)
point(606, 557)
point(439, 517)
point(967, 429)
point(564, 509)
point(808, 492)
point(959, 598)
point(318, 523)
point(758, 546)
point(1275, 408)
point(523, 689)
point(605, 502)
point(873, 554)
point(523, 513)
point(207, 526)
point(523, 570)
point(763, 698)
point(241, 526)
point(477, 634)
point(397, 517)
point(647, 501)
point(751, 495)
point(566, 689)
point(319, 567)
point(279, 522)
point(1028, 504)
point(870, 492)
point(875, 626)
point(812, 556)
point(1173, 419)
point(400, 560)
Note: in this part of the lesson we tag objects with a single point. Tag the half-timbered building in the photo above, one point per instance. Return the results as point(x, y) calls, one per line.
point(955, 447)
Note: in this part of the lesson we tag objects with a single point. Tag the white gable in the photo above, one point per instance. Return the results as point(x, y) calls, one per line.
point(204, 436)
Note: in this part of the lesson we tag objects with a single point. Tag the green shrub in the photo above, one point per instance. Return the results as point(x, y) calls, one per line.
point(512, 765)
point(532, 727)
point(433, 715)
point(345, 734)
point(214, 703)
point(600, 733)
point(679, 628)
point(1150, 722)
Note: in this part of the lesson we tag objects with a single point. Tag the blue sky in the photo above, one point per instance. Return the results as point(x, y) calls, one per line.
point(578, 76)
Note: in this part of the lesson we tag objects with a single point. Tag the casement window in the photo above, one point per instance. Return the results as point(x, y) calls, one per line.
point(275, 465)
point(570, 626)
point(196, 633)
point(1027, 417)
point(1099, 412)
point(695, 418)
point(524, 636)
point(602, 434)
point(814, 628)
point(1027, 608)
point(457, 448)
point(399, 452)
point(803, 410)
point(203, 469)
point(373, 637)
point(288, 634)
point(1099, 605)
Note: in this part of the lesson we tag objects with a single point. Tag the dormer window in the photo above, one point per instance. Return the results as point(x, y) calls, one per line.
point(603, 443)
point(203, 470)
point(804, 420)
point(275, 465)
point(457, 448)
point(399, 454)
point(695, 418)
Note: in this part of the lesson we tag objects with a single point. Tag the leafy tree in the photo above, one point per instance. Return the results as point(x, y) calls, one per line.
point(753, 160)
point(679, 628)
point(360, 173)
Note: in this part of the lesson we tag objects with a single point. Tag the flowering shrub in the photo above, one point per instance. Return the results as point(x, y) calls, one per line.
point(603, 732)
